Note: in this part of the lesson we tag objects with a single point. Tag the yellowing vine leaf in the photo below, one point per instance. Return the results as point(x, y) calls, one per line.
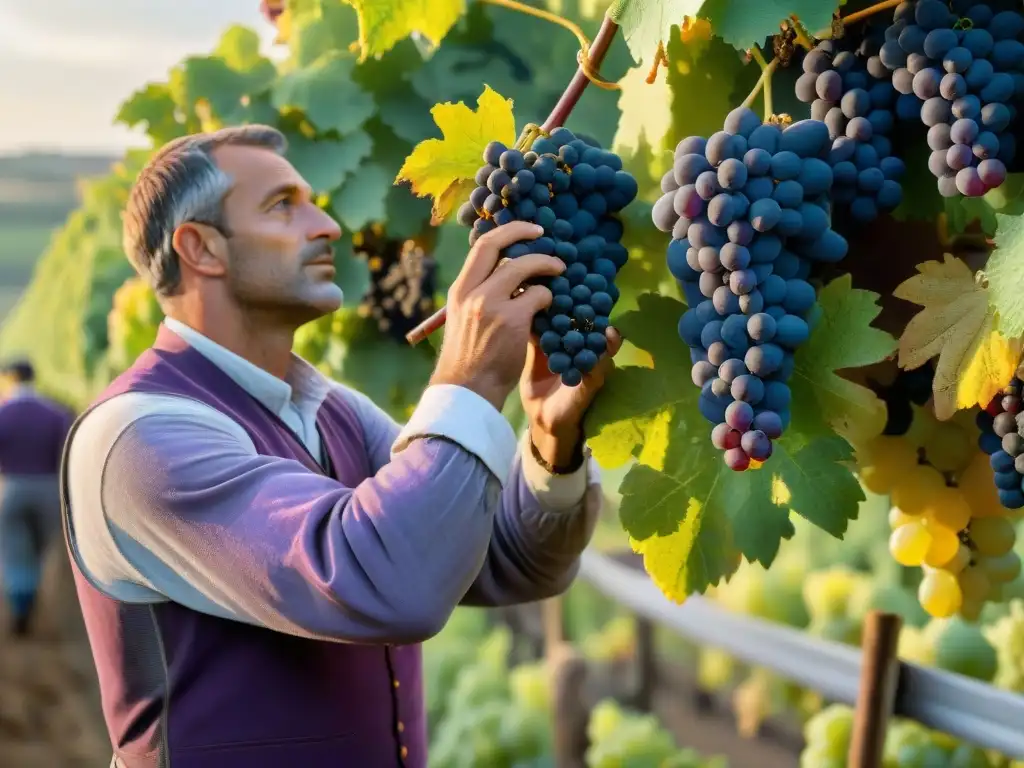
point(445, 168)
point(957, 324)
point(989, 370)
point(385, 23)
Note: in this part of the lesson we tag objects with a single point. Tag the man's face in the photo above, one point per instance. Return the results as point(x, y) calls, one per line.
point(280, 259)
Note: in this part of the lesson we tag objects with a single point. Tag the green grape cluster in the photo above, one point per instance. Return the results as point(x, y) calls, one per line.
point(1007, 637)
point(132, 323)
point(491, 714)
point(907, 744)
point(623, 739)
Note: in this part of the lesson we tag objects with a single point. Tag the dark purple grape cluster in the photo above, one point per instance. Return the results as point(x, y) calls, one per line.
point(403, 280)
point(851, 91)
point(748, 212)
point(962, 65)
point(1002, 438)
point(573, 189)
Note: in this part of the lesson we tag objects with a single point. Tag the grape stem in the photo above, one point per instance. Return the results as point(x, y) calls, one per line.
point(660, 60)
point(582, 79)
point(803, 38)
point(870, 11)
point(764, 83)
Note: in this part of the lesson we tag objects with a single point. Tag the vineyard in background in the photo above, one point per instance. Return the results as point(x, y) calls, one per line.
point(902, 353)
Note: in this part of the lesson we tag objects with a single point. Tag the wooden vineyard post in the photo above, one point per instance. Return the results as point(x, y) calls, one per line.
point(879, 676)
point(567, 670)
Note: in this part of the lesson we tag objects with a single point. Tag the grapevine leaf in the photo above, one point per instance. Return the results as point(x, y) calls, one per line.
point(363, 197)
point(819, 487)
point(696, 555)
point(744, 24)
point(841, 337)
point(455, 72)
point(406, 116)
point(326, 93)
point(633, 398)
point(153, 105)
point(225, 78)
point(989, 370)
point(646, 112)
point(1005, 276)
point(240, 49)
point(325, 26)
point(383, 23)
point(955, 321)
point(325, 163)
point(645, 23)
point(443, 168)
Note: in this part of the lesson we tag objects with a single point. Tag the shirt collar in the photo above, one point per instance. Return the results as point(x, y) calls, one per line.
point(304, 386)
point(21, 390)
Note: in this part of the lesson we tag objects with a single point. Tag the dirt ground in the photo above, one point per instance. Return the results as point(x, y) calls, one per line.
point(49, 706)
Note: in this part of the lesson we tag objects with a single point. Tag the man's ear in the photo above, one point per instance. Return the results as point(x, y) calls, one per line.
point(201, 249)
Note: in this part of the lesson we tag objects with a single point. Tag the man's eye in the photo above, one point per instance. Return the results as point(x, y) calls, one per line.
point(283, 204)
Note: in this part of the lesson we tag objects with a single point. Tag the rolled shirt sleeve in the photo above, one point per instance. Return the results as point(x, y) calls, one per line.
point(170, 500)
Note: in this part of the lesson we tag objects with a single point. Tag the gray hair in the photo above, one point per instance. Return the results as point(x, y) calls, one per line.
point(182, 183)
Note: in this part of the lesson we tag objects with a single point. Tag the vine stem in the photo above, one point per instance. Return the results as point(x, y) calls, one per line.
point(588, 63)
point(763, 82)
point(870, 11)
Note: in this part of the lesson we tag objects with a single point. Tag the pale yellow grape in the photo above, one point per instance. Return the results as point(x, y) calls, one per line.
point(950, 448)
point(992, 536)
point(939, 593)
point(960, 561)
point(974, 583)
point(922, 427)
point(917, 489)
point(909, 544)
point(977, 485)
point(1001, 569)
point(948, 508)
point(970, 610)
point(898, 517)
point(944, 544)
point(883, 461)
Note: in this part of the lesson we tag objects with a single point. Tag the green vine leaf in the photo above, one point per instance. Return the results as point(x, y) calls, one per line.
point(1005, 275)
point(153, 105)
point(645, 23)
point(841, 338)
point(744, 24)
point(362, 199)
point(325, 163)
point(384, 23)
point(326, 93)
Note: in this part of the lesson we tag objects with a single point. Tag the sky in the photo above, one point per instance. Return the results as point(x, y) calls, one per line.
point(68, 64)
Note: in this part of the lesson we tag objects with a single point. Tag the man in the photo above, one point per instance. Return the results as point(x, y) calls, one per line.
point(32, 433)
point(258, 551)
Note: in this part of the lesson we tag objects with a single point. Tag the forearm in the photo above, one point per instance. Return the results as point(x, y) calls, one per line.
point(541, 527)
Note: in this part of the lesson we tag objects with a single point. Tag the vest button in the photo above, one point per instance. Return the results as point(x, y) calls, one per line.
point(405, 752)
point(401, 727)
point(395, 683)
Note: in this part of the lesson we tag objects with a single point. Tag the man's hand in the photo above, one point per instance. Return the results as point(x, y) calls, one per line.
point(487, 331)
point(555, 410)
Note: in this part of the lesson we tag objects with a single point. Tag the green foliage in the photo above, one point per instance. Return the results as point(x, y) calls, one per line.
point(60, 322)
point(1006, 278)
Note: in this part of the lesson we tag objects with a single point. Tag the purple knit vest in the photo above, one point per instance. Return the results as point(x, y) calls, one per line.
point(213, 693)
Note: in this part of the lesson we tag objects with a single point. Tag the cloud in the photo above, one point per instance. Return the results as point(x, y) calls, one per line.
point(82, 34)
